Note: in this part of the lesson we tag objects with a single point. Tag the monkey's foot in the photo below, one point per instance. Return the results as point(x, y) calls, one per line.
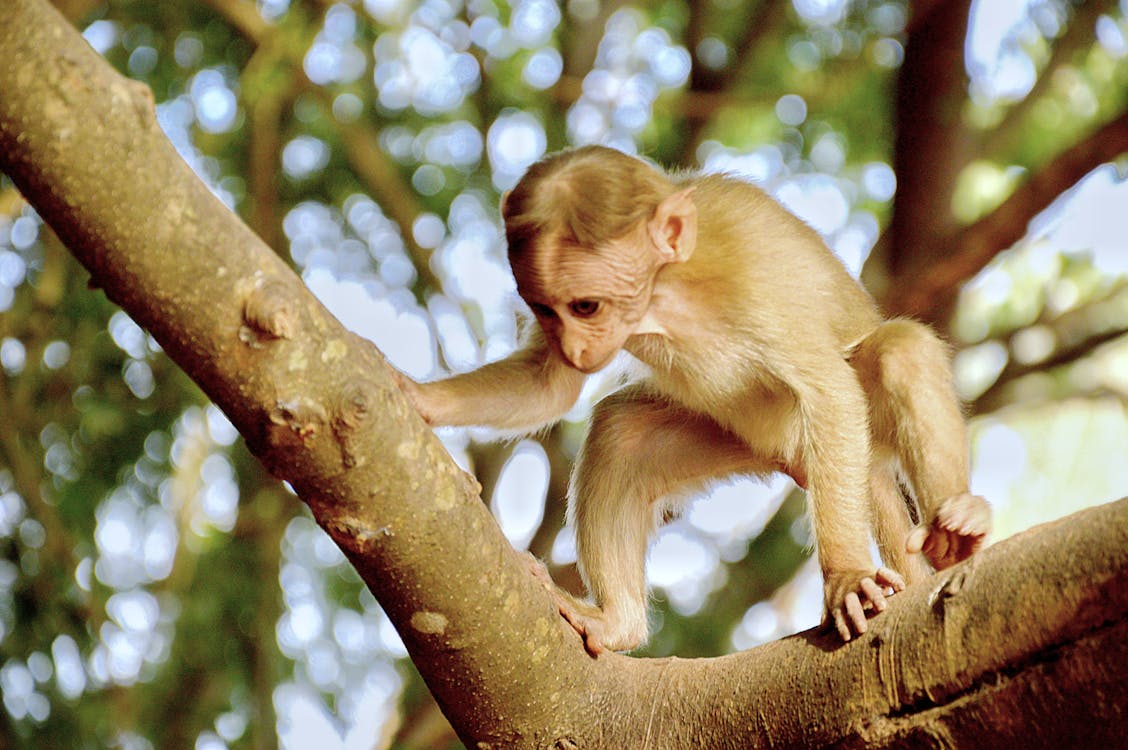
point(853, 595)
point(599, 630)
point(959, 529)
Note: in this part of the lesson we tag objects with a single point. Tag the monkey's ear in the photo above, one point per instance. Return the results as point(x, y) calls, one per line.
point(673, 228)
point(505, 203)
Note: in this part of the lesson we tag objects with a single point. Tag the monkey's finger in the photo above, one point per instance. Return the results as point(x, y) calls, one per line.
point(874, 594)
point(890, 578)
point(966, 514)
point(593, 646)
point(856, 612)
point(969, 545)
point(916, 540)
point(840, 625)
point(938, 548)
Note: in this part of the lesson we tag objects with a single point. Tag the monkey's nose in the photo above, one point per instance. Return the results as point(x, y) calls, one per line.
point(576, 357)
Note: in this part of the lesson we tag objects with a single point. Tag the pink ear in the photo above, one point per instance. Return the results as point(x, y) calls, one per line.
point(673, 228)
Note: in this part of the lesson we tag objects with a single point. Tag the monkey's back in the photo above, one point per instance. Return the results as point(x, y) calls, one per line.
point(763, 257)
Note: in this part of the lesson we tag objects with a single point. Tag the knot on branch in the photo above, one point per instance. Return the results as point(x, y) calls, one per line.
point(301, 417)
point(429, 623)
point(350, 411)
point(269, 313)
point(354, 536)
point(950, 589)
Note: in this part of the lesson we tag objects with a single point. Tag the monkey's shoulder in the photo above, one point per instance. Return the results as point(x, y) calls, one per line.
point(721, 188)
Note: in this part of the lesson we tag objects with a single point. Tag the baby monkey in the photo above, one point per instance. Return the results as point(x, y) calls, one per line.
point(764, 354)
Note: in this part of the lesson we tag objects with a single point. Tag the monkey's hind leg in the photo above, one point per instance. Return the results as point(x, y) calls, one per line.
point(915, 411)
point(641, 449)
point(892, 523)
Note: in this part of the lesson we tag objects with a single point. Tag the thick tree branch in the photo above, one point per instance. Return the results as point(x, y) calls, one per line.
point(316, 404)
point(932, 143)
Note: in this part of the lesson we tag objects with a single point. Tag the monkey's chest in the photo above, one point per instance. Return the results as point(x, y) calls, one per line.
point(713, 379)
point(737, 392)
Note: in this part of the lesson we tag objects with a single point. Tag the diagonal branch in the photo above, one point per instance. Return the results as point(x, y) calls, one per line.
point(360, 140)
point(1078, 35)
point(932, 295)
point(1035, 627)
point(1076, 334)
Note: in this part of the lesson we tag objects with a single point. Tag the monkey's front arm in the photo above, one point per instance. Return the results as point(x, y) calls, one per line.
point(831, 417)
point(527, 390)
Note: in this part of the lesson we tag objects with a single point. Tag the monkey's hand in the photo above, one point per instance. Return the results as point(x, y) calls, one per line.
point(853, 595)
point(959, 529)
point(599, 632)
point(414, 393)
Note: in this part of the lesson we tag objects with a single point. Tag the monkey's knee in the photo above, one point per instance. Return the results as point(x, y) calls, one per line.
point(622, 423)
point(903, 355)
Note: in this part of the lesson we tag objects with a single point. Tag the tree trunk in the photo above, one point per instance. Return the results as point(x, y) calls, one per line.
point(1025, 642)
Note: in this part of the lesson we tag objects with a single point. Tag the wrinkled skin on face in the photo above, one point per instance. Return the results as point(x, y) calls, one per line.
point(590, 300)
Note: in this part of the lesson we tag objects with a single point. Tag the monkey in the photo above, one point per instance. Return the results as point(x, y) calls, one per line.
point(763, 355)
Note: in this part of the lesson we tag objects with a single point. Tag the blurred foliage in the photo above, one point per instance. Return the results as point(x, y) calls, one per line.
point(158, 589)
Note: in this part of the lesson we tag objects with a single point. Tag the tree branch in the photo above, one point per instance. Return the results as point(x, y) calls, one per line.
point(931, 296)
point(951, 657)
point(709, 89)
point(359, 140)
point(1079, 34)
point(1075, 333)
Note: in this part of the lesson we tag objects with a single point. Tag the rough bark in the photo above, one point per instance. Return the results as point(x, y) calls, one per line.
point(1024, 643)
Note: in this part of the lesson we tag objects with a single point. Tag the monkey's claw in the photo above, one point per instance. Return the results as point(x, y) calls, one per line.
point(854, 596)
point(959, 529)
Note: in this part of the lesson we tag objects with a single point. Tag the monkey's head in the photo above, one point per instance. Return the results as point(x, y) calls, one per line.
point(588, 231)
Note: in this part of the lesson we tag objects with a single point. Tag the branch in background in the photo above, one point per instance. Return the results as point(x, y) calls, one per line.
point(362, 147)
point(933, 144)
point(1001, 393)
point(244, 16)
point(10, 202)
point(581, 38)
point(265, 106)
point(360, 140)
point(76, 10)
point(932, 294)
point(1078, 35)
point(556, 497)
point(424, 728)
point(709, 89)
point(1075, 334)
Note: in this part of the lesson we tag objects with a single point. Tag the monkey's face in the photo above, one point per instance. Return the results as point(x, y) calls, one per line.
point(588, 301)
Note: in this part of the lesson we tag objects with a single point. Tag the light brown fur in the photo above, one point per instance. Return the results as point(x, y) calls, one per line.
point(765, 355)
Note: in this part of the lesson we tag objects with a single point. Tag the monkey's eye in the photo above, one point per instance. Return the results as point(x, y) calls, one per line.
point(542, 311)
point(584, 308)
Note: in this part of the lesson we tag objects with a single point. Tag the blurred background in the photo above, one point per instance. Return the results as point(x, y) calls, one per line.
point(159, 590)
